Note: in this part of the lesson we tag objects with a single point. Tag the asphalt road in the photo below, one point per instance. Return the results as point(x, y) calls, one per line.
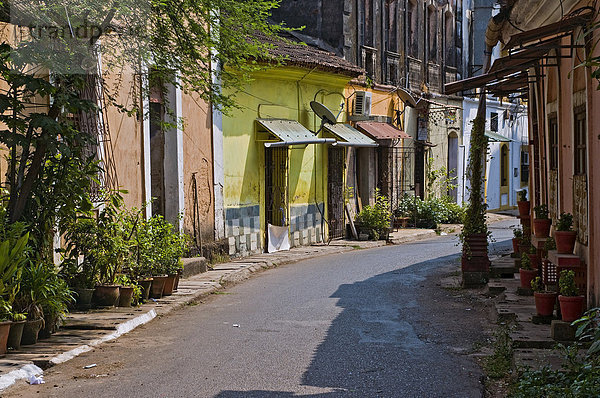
point(369, 323)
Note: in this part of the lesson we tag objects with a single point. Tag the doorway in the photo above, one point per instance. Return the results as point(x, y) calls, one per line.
point(504, 176)
point(276, 176)
point(453, 165)
point(335, 191)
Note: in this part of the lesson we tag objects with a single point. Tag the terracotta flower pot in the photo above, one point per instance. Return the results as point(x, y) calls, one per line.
point(544, 303)
point(106, 295)
point(169, 285)
point(158, 284)
point(516, 242)
point(541, 227)
point(84, 299)
point(565, 241)
point(4, 332)
point(524, 208)
point(31, 331)
point(145, 284)
point(15, 335)
point(571, 308)
point(527, 276)
point(125, 296)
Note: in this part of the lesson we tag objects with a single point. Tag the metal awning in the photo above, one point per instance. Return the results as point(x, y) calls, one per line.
point(347, 135)
point(505, 69)
point(381, 131)
point(283, 132)
point(495, 137)
point(559, 29)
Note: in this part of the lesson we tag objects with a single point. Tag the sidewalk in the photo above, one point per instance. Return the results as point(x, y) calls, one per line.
point(83, 331)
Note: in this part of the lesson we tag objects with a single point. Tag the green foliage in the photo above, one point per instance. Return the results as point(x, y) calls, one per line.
point(525, 262)
point(43, 293)
point(375, 219)
point(156, 247)
point(588, 329)
point(102, 241)
point(474, 220)
point(517, 233)
point(523, 195)
point(440, 179)
point(565, 222)
point(550, 244)
point(541, 212)
point(430, 212)
point(567, 283)
point(499, 364)
point(125, 280)
point(537, 285)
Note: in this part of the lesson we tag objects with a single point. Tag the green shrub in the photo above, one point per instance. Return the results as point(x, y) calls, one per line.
point(375, 220)
point(430, 212)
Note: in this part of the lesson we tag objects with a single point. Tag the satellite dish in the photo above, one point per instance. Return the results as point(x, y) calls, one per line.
point(323, 112)
point(406, 97)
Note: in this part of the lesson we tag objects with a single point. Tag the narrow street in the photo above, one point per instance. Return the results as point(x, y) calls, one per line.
point(369, 323)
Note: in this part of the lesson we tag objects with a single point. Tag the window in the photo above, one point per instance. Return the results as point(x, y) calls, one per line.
point(553, 141)
point(432, 34)
point(411, 16)
point(524, 165)
point(494, 121)
point(580, 142)
point(368, 23)
point(450, 45)
point(504, 163)
point(392, 26)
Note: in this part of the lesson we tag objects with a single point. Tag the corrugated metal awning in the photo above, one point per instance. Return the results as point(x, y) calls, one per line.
point(381, 131)
point(347, 135)
point(495, 137)
point(283, 132)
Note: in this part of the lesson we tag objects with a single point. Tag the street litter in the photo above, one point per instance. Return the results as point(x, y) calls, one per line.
point(443, 233)
point(33, 379)
point(90, 366)
point(468, 309)
point(235, 325)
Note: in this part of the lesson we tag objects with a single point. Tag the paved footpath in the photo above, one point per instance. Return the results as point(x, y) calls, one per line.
point(84, 331)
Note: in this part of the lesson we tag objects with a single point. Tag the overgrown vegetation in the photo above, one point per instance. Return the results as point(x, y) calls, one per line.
point(375, 220)
point(499, 364)
point(430, 212)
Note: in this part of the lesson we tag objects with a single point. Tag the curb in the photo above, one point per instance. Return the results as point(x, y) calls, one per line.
point(232, 278)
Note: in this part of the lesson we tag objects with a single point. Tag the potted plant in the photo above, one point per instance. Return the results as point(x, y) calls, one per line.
point(533, 257)
point(541, 222)
point(571, 303)
point(130, 291)
point(525, 244)
point(517, 238)
point(564, 234)
point(526, 272)
point(5, 322)
point(16, 330)
point(544, 300)
point(523, 204)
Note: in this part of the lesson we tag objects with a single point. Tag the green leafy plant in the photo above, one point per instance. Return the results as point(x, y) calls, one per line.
point(523, 195)
point(565, 222)
point(567, 283)
point(125, 280)
point(549, 244)
point(517, 233)
point(525, 262)
point(537, 285)
point(375, 219)
point(430, 212)
point(541, 212)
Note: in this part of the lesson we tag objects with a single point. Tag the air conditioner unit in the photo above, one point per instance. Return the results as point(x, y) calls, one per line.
point(362, 103)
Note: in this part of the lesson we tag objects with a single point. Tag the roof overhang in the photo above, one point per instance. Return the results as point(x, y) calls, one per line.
point(284, 132)
point(540, 46)
point(347, 135)
point(381, 131)
point(495, 137)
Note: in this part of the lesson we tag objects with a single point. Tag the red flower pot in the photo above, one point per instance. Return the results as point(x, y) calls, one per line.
point(565, 241)
point(541, 227)
point(571, 308)
point(516, 242)
point(544, 303)
point(169, 285)
point(524, 208)
point(533, 259)
point(4, 332)
point(527, 275)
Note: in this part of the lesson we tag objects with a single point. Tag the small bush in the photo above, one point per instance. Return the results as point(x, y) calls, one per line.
point(430, 212)
point(375, 220)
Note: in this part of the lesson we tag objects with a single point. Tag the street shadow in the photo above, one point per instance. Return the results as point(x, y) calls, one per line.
point(397, 336)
